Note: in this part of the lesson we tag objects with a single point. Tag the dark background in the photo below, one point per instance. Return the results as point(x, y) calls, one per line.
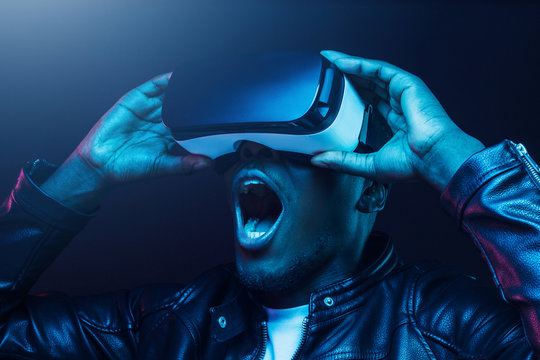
point(64, 63)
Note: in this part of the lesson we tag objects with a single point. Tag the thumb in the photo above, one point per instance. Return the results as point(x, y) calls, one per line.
point(182, 165)
point(333, 55)
point(346, 162)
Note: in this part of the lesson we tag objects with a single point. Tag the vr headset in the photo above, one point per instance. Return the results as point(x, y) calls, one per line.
point(297, 103)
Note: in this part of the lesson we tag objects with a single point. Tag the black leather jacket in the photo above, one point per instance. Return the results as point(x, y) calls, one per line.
point(387, 311)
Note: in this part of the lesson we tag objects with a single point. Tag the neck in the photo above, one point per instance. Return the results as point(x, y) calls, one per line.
point(300, 295)
point(343, 262)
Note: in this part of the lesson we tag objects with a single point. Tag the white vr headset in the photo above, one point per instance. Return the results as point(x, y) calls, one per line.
point(293, 102)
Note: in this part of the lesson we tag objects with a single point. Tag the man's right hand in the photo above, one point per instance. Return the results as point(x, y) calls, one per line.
point(128, 143)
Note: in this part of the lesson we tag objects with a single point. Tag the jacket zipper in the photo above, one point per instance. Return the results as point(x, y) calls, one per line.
point(264, 329)
point(532, 167)
point(302, 339)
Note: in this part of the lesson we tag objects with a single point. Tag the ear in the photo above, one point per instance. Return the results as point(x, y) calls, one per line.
point(373, 197)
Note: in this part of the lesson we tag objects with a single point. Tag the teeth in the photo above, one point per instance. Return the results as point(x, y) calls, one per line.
point(250, 225)
point(255, 234)
point(247, 185)
point(251, 182)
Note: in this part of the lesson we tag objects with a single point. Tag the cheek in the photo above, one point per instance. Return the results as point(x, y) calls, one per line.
point(317, 201)
point(323, 207)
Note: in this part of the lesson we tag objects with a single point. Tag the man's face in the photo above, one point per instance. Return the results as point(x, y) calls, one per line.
point(289, 218)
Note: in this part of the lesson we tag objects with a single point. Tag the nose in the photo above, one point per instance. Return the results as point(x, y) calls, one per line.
point(249, 150)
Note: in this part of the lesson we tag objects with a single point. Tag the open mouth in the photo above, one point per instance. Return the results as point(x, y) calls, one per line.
point(258, 210)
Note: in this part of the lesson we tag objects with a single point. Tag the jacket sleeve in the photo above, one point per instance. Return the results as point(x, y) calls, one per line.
point(33, 231)
point(495, 198)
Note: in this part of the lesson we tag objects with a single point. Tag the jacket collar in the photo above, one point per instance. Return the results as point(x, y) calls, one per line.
point(378, 260)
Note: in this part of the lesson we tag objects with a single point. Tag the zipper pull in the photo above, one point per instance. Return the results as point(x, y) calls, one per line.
point(521, 149)
point(532, 167)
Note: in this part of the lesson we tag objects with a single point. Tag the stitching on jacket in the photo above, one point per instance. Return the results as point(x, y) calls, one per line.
point(134, 323)
point(412, 313)
point(363, 355)
point(481, 181)
point(12, 356)
point(175, 299)
point(192, 328)
point(176, 303)
point(453, 347)
point(182, 297)
point(359, 355)
point(509, 166)
point(485, 256)
point(524, 331)
point(411, 310)
point(412, 316)
point(167, 314)
point(439, 340)
point(38, 213)
point(425, 333)
point(423, 341)
point(130, 326)
point(335, 318)
point(47, 231)
point(160, 320)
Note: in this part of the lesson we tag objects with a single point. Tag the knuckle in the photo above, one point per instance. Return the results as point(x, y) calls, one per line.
point(350, 161)
point(345, 159)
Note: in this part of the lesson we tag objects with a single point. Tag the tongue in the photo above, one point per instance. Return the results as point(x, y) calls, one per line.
point(258, 226)
point(264, 225)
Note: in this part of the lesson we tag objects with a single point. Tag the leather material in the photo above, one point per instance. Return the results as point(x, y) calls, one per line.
point(388, 310)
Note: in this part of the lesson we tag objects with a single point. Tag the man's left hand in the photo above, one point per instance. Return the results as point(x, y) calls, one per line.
point(425, 144)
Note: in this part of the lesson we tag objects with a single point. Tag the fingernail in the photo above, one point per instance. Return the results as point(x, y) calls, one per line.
point(319, 162)
point(201, 164)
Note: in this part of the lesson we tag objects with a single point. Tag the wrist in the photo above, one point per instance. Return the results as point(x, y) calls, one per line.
point(77, 185)
point(447, 156)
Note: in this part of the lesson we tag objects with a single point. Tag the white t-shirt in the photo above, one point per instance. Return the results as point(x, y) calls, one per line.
point(284, 331)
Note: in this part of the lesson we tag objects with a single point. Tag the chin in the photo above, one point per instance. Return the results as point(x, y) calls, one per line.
point(267, 280)
point(282, 273)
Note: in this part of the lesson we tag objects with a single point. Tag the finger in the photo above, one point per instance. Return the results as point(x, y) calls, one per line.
point(346, 162)
point(371, 86)
point(182, 165)
point(369, 68)
point(146, 109)
point(155, 86)
point(333, 55)
point(395, 120)
point(388, 76)
point(406, 90)
point(155, 115)
point(396, 80)
point(369, 78)
point(351, 65)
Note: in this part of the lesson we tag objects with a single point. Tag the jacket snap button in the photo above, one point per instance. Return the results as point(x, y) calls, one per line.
point(222, 322)
point(328, 301)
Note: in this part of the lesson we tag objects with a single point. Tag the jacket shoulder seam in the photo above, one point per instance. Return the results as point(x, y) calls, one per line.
point(134, 323)
point(191, 328)
point(425, 334)
point(450, 345)
point(128, 327)
point(172, 305)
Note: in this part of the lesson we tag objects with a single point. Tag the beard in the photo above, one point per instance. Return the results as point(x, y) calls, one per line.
point(287, 277)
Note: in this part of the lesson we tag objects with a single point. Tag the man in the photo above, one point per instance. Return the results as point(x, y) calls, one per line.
point(322, 287)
